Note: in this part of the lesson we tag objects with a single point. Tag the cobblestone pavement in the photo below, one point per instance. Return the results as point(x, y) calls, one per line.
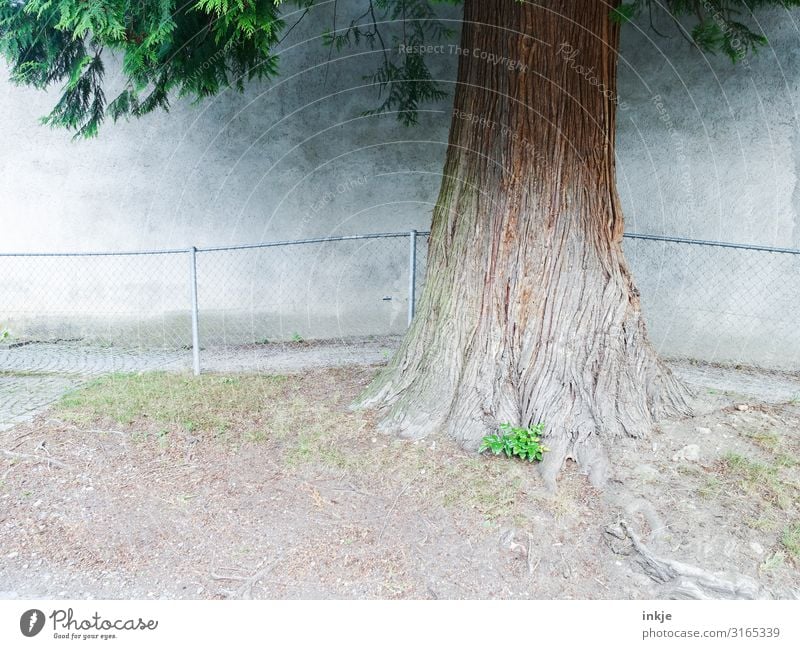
point(34, 375)
point(22, 396)
point(76, 358)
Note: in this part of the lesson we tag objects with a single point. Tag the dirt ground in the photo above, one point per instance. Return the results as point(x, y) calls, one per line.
point(160, 485)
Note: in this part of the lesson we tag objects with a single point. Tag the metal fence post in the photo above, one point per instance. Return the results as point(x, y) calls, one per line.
point(412, 275)
point(195, 313)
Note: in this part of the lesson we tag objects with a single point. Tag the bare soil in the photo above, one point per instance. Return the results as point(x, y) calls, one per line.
point(164, 486)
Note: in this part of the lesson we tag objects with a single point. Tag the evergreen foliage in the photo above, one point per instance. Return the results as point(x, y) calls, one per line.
point(198, 48)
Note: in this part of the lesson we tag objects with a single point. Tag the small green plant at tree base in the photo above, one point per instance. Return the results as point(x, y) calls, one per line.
point(297, 338)
point(525, 443)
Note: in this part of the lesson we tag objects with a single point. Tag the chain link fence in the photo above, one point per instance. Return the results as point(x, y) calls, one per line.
point(704, 300)
point(347, 287)
point(719, 302)
point(226, 307)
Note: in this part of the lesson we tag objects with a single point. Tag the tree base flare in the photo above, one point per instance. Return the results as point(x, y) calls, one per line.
point(583, 412)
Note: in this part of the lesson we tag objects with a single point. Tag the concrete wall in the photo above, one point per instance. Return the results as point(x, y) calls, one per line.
point(709, 150)
point(706, 150)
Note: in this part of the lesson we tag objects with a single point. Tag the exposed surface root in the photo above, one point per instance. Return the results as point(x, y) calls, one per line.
point(681, 580)
point(249, 581)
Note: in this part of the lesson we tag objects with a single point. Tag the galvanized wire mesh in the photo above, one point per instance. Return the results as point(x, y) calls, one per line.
point(718, 302)
point(340, 289)
point(702, 300)
point(132, 300)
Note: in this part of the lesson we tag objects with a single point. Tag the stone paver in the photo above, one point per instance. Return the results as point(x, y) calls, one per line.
point(79, 358)
point(22, 396)
point(33, 376)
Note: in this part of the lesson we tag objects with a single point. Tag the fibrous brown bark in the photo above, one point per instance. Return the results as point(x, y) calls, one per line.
point(529, 313)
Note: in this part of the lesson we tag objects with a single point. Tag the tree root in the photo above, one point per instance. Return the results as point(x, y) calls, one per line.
point(248, 582)
point(682, 580)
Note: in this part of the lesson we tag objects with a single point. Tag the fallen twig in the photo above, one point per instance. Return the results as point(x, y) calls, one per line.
point(350, 487)
point(5, 475)
point(246, 591)
point(35, 458)
point(529, 555)
point(97, 431)
point(20, 439)
point(391, 509)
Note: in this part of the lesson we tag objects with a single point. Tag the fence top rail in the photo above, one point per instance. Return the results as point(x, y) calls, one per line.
point(116, 253)
point(247, 246)
point(378, 235)
point(714, 244)
point(300, 242)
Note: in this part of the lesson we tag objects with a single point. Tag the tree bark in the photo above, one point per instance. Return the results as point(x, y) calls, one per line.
point(529, 313)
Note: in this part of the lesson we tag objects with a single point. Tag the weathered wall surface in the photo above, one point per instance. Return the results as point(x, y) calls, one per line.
point(706, 150)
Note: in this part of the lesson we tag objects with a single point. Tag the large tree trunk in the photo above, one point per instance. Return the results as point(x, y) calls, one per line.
point(529, 313)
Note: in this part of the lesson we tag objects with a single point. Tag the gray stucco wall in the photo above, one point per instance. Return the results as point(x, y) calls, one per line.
point(705, 150)
point(709, 150)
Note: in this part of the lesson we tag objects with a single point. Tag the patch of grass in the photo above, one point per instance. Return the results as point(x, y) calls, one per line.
point(162, 439)
point(434, 475)
point(786, 461)
point(790, 539)
point(764, 492)
point(477, 485)
point(302, 423)
point(768, 525)
point(785, 448)
point(758, 478)
point(256, 436)
point(764, 485)
point(773, 562)
point(22, 374)
point(723, 393)
point(315, 446)
point(689, 470)
point(200, 405)
point(712, 488)
point(767, 440)
point(747, 469)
